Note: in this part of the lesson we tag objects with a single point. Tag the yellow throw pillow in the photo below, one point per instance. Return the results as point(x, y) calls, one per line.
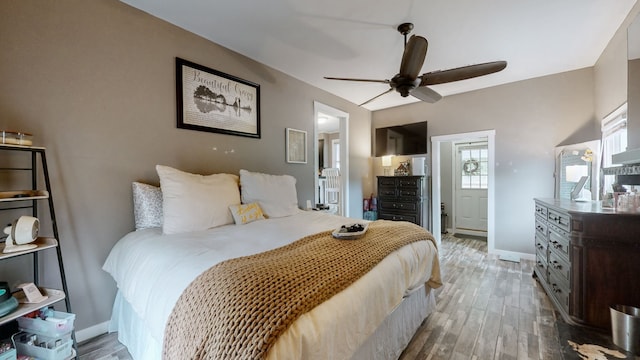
point(246, 213)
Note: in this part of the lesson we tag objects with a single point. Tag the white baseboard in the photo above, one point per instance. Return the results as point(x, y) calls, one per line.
point(469, 232)
point(512, 254)
point(92, 331)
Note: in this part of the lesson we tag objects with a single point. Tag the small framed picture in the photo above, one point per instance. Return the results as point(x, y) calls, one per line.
point(296, 146)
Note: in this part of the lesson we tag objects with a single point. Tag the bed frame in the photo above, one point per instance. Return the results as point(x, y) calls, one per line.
point(387, 342)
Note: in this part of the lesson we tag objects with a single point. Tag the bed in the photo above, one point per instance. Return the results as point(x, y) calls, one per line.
point(374, 317)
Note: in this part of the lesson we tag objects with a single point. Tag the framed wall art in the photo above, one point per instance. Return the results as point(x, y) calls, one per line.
point(296, 146)
point(210, 100)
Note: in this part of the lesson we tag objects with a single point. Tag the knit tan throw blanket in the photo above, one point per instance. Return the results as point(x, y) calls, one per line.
point(237, 308)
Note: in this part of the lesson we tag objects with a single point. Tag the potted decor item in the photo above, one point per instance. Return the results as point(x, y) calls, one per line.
point(404, 169)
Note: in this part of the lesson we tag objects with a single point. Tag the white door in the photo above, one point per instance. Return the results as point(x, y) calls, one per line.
point(471, 183)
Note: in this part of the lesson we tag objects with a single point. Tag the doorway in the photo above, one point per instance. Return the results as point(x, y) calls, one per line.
point(469, 189)
point(437, 184)
point(331, 151)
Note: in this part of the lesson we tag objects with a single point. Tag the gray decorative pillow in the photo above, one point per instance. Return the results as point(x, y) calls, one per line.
point(147, 206)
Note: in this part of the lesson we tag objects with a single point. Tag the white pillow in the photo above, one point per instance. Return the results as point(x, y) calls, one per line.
point(192, 202)
point(276, 194)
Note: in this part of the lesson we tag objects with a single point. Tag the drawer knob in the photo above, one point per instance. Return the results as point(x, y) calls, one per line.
point(556, 265)
point(556, 288)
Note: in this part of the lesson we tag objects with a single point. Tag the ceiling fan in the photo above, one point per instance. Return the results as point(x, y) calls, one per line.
point(409, 82)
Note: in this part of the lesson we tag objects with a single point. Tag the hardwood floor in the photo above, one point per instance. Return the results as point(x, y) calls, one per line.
point(487, 309)
point(494, 309)
point(103, 347)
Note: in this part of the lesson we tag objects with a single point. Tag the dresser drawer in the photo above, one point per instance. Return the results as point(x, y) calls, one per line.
point(561, 220)
point(559, 266)
point(387, 181)
point(559, 290)
point(409, 183)
point(398, 217)
point(541, 229)
point(541, 244)
point(389, 192)
point(541, 266)
point(409, 193)
point(541, 211)
point(396, 205)
point(559, 243)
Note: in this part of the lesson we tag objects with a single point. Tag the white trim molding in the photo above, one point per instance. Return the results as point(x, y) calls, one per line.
point(490, 136)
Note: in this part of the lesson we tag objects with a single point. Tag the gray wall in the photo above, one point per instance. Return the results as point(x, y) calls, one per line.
point(611, 75)
point(530, 118)
point(94, 81)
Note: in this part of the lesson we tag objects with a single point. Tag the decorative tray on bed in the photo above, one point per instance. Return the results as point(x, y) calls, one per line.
point(350, 231)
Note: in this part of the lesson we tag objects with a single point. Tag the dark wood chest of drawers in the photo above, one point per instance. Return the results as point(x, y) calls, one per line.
point(401, 198)
point(587, 259)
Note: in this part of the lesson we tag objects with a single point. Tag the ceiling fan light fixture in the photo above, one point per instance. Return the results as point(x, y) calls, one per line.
point(409, 82)
point(404, 85)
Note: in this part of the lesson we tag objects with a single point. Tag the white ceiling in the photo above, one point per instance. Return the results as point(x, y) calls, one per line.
point(309, 39)
point(327, 124)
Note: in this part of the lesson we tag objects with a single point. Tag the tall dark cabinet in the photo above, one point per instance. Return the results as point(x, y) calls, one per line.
point(402, 198)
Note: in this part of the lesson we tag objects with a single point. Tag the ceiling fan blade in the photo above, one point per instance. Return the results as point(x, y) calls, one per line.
point(426, 94)
point(377, 96)
point(461, 73)
point(413, 57)
point(351, 79)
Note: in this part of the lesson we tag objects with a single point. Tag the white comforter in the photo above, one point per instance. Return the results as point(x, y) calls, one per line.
point(151, 270)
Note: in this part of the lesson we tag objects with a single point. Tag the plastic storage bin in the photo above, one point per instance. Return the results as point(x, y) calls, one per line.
point(370, 215)
point(60, 352)
point(43, 340)
point(625, 327)
point(9, 355)
point(62, 324)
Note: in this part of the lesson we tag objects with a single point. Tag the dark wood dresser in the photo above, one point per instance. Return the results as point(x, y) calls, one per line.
point(587, 259)
point(401, 198)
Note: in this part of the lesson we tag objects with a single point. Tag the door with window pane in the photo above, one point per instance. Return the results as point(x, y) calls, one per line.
point(472, 176)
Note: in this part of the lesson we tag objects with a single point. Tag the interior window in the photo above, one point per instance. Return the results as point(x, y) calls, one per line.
point(614, 140)
point(475, 169)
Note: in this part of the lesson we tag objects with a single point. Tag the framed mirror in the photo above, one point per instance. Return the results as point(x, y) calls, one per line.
point(573, 162)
